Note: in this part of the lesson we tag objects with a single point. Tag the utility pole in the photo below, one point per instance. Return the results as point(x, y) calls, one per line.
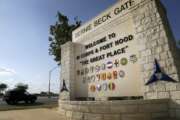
point(49, 87)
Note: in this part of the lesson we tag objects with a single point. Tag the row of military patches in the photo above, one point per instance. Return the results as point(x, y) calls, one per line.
point(107, 76)
point(111, 75)
point(104, 76)
point(109, 65)
point(103, 87)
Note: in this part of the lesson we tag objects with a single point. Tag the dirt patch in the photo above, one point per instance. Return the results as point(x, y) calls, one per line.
point(31, 114)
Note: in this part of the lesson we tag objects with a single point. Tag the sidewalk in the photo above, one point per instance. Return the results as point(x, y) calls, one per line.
point(31, 114)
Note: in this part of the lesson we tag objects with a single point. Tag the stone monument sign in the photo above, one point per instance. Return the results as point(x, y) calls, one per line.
point(126, 51)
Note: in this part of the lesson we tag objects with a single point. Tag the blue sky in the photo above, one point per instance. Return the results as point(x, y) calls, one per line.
point(24, 30)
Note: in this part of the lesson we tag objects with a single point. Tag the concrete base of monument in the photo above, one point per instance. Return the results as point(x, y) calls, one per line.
point(116, 110)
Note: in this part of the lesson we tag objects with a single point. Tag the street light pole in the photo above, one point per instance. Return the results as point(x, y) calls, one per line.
point(49, 86)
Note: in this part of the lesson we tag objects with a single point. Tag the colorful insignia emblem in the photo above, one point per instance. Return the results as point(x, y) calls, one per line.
point(116, 63)
point(115, 75)
point(133, 58)
point(121, 74)
point(92, 88)
point(109, 75)
point(98, 68)
point(109, 64)
point(104, 86)
point(103, 76)
point(103, 66)
point(112, 86)
point(124, 61)
point(98, 87)
point(159, 75)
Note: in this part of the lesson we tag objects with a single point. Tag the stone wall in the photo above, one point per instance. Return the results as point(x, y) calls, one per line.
point(67, 70)
point(115, 110)
point(157, 42)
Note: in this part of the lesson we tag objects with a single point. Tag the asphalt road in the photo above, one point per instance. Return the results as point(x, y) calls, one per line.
point(41, 102)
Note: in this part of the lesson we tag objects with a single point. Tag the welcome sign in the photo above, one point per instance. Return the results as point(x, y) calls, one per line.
point(106, 17)
point(106, 52)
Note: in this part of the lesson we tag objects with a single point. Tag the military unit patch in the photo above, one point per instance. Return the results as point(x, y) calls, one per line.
point(103, 66)
point(109, 76)
point(115, 75)
point(124, 61)
point(116, 63)
point(112, 86)
point(133, 58)
point(98, 87)
point(121, 74)
point(92, 88)
point(109, 64)
point(104, 86)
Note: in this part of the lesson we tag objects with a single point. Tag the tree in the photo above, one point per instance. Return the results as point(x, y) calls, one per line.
point(21, 87)
point(60, 33)
point(3, 87)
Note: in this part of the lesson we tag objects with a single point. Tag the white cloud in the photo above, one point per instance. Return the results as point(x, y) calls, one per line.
point(7, 71)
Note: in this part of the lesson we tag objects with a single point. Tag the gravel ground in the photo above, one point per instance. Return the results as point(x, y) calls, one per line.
point(31, 114)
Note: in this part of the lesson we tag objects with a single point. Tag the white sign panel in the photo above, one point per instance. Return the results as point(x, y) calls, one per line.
point(107, 58)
